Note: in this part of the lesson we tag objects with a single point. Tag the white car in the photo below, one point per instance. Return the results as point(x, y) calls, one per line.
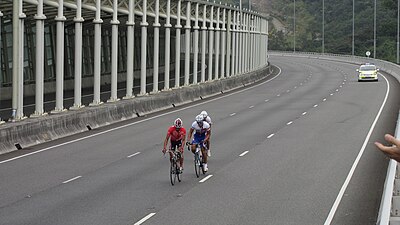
point(368, 72)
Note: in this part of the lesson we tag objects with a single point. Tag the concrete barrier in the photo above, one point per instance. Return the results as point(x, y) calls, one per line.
point(33, 131)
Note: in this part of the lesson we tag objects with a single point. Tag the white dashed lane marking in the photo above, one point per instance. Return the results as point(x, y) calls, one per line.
point(315, 106)
point(137, 153)
point(232, 114)
point(75, 178)
point(324, 99)
point(304, 113)
point(244, 153)
point(289, 123)
point(266, 100)
point(270, 136)
point(251, 107)
point(144, 219)
point(205, 178)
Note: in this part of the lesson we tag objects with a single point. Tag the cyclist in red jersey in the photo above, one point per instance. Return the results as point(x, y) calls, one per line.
point(177, 133)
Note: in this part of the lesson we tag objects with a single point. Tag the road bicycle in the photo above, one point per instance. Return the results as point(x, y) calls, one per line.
point(175, 173)
point(198, 159)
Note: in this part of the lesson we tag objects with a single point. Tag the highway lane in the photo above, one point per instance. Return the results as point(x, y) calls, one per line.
point(302, 130)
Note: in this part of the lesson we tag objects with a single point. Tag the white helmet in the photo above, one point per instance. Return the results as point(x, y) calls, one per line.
point(178, 123)
point(204, 114)
point(199, 118)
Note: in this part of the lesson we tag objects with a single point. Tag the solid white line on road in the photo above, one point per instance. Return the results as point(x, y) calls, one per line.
point(205, 178)
point(304, 113)
point(270, 136)
point(144, 219)
point(353, 168)
point(244, 153)
point(140, 121)
point(232, 114)
point(67, 181)
point(289, 123)
point(315, 106)
point(324, 99)
point(137, 153)
point(251, 107)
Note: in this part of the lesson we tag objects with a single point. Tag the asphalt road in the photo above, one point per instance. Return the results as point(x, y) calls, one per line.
point(304, 130)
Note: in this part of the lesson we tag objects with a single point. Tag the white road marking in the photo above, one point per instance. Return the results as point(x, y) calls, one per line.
point(295, 87)
point(205, 178)
point(270, 136)
point(144, 219)
point(301, 84)
point(315, 106)
point(287, 91)
point(141, 121)
point(341, 86)
point(67, 181)
point(232, 114)
point(278, 95)
point(337, 89)
point(331, 94)
point(137, 153)
point(304, 113)
point(353, 168)
point(343, 83)
point(251, 107)
point(324, 99)
point(244, 153)
point(266, 100)
point(289, 123)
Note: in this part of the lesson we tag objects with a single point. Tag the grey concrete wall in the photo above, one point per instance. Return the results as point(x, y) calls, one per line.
point(38, 130)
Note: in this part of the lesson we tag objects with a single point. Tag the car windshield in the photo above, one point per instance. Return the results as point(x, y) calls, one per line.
point(368, 68)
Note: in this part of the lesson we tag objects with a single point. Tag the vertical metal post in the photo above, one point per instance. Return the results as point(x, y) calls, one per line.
point(130, 24)
point(223, 43)
point(210, 44)
point(217, 43)
point(203, 44)
point(143, 66)
point(15, 64)
point(240, 41)
point(229, 43)
point(196, 44)
point(78, 57)
point(323, 26)
point(187, 43)
point(114, 53)
point(39, 17)
point(156, 26)
point(60, 18)
point(374, 29)
point(234, 48)
point(245, 57)
point(398, 28)
point(178, 28)
point(294, 25)
point(237, 45)
point(1, 54)
point(97, 56)
point(167, 45)
point(352, 39)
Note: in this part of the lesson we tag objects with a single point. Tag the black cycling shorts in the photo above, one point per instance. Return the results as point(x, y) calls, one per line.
point(175, 144)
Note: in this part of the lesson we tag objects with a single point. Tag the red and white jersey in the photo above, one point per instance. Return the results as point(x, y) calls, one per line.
point(201, 130)
point(176, 135)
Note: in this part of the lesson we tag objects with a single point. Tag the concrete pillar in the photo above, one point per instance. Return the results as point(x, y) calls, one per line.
point(223, 44)
point(196, 44)
point(167, 45)
point(39, 72)
point(78, 57)
point(187, 43)
point(114, 53)
point(143, 67)
point(178, 28)
point(217, 45)
point(60, 19)
point(97, 56)
point(156, 26)
point(203, 44)
point(210, 44)
point(130, 26)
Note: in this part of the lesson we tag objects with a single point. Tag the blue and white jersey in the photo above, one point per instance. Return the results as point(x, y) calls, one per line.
point(200, 130)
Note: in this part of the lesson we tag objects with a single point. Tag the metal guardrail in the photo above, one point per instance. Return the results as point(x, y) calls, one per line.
point(389, 212)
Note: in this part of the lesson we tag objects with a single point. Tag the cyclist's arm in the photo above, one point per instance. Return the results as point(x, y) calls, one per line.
point(166, 140)
point(208, 132)
point(190, 134)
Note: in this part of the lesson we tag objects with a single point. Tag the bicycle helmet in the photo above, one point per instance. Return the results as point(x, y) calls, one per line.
point(199, 120)
point(204, 114)
point(178, 123)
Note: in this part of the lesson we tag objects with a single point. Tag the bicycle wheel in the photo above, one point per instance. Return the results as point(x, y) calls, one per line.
point(197, 164)
point(172, 173)
point(201, 164)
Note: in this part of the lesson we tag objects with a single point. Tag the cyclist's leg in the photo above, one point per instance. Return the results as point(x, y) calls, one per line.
point(179, 144)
